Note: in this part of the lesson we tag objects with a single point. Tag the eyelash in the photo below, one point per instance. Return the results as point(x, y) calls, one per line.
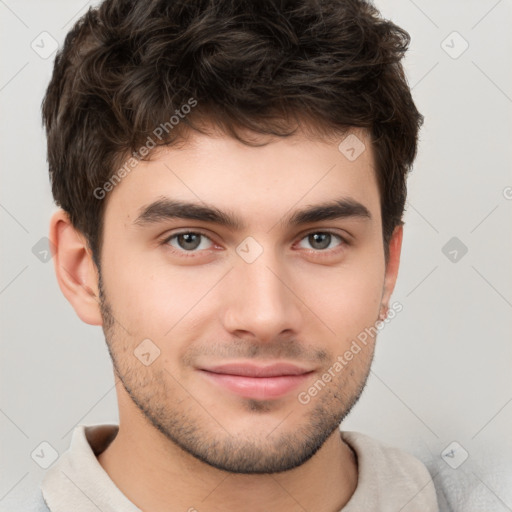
point(318, 252)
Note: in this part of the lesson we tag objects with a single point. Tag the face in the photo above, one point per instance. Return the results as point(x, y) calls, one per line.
point(233, 278)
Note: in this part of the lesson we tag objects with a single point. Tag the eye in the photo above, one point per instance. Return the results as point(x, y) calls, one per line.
point(322, 240)
point(189, 241)
point(193, 242)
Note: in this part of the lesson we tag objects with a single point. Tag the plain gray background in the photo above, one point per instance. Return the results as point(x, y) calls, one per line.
point(442, 370)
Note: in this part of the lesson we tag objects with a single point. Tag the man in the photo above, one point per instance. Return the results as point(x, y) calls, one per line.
point(231, 177)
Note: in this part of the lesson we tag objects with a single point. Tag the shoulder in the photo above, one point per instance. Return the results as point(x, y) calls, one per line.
point(398, 462)
point(31, 501)
point(389, 476)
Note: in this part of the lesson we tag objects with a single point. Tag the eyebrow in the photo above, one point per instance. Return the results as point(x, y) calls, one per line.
point(164, 209)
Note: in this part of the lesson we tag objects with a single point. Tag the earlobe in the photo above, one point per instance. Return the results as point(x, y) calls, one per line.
point(393, 264)
point(75, 269)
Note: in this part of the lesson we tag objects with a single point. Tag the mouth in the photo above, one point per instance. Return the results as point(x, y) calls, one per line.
point(257, 382)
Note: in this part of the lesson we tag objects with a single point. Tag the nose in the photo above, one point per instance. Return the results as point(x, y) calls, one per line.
point(262, 303)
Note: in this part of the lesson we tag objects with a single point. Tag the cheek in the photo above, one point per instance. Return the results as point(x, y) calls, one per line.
point(152, 299)
point(347, 298)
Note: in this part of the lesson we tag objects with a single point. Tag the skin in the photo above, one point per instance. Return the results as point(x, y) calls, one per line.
point(184, 442)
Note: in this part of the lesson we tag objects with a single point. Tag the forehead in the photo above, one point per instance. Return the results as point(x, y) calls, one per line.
point(257, 183)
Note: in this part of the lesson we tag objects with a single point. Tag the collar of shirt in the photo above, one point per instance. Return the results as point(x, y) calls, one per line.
point(388, 478)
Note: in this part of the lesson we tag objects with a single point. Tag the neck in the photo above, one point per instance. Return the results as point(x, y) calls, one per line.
point(159, 476)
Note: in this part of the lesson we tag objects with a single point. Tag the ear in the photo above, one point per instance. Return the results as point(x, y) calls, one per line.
point(395, 248)
point(75, 269)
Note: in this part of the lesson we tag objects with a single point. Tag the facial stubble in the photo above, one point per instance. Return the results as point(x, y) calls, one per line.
point(188, 425)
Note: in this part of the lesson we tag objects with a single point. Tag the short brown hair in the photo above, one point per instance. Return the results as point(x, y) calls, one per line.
point(128, 66)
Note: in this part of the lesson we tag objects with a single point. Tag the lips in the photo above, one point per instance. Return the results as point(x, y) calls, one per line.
point(257, 382)
point(251, 370)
